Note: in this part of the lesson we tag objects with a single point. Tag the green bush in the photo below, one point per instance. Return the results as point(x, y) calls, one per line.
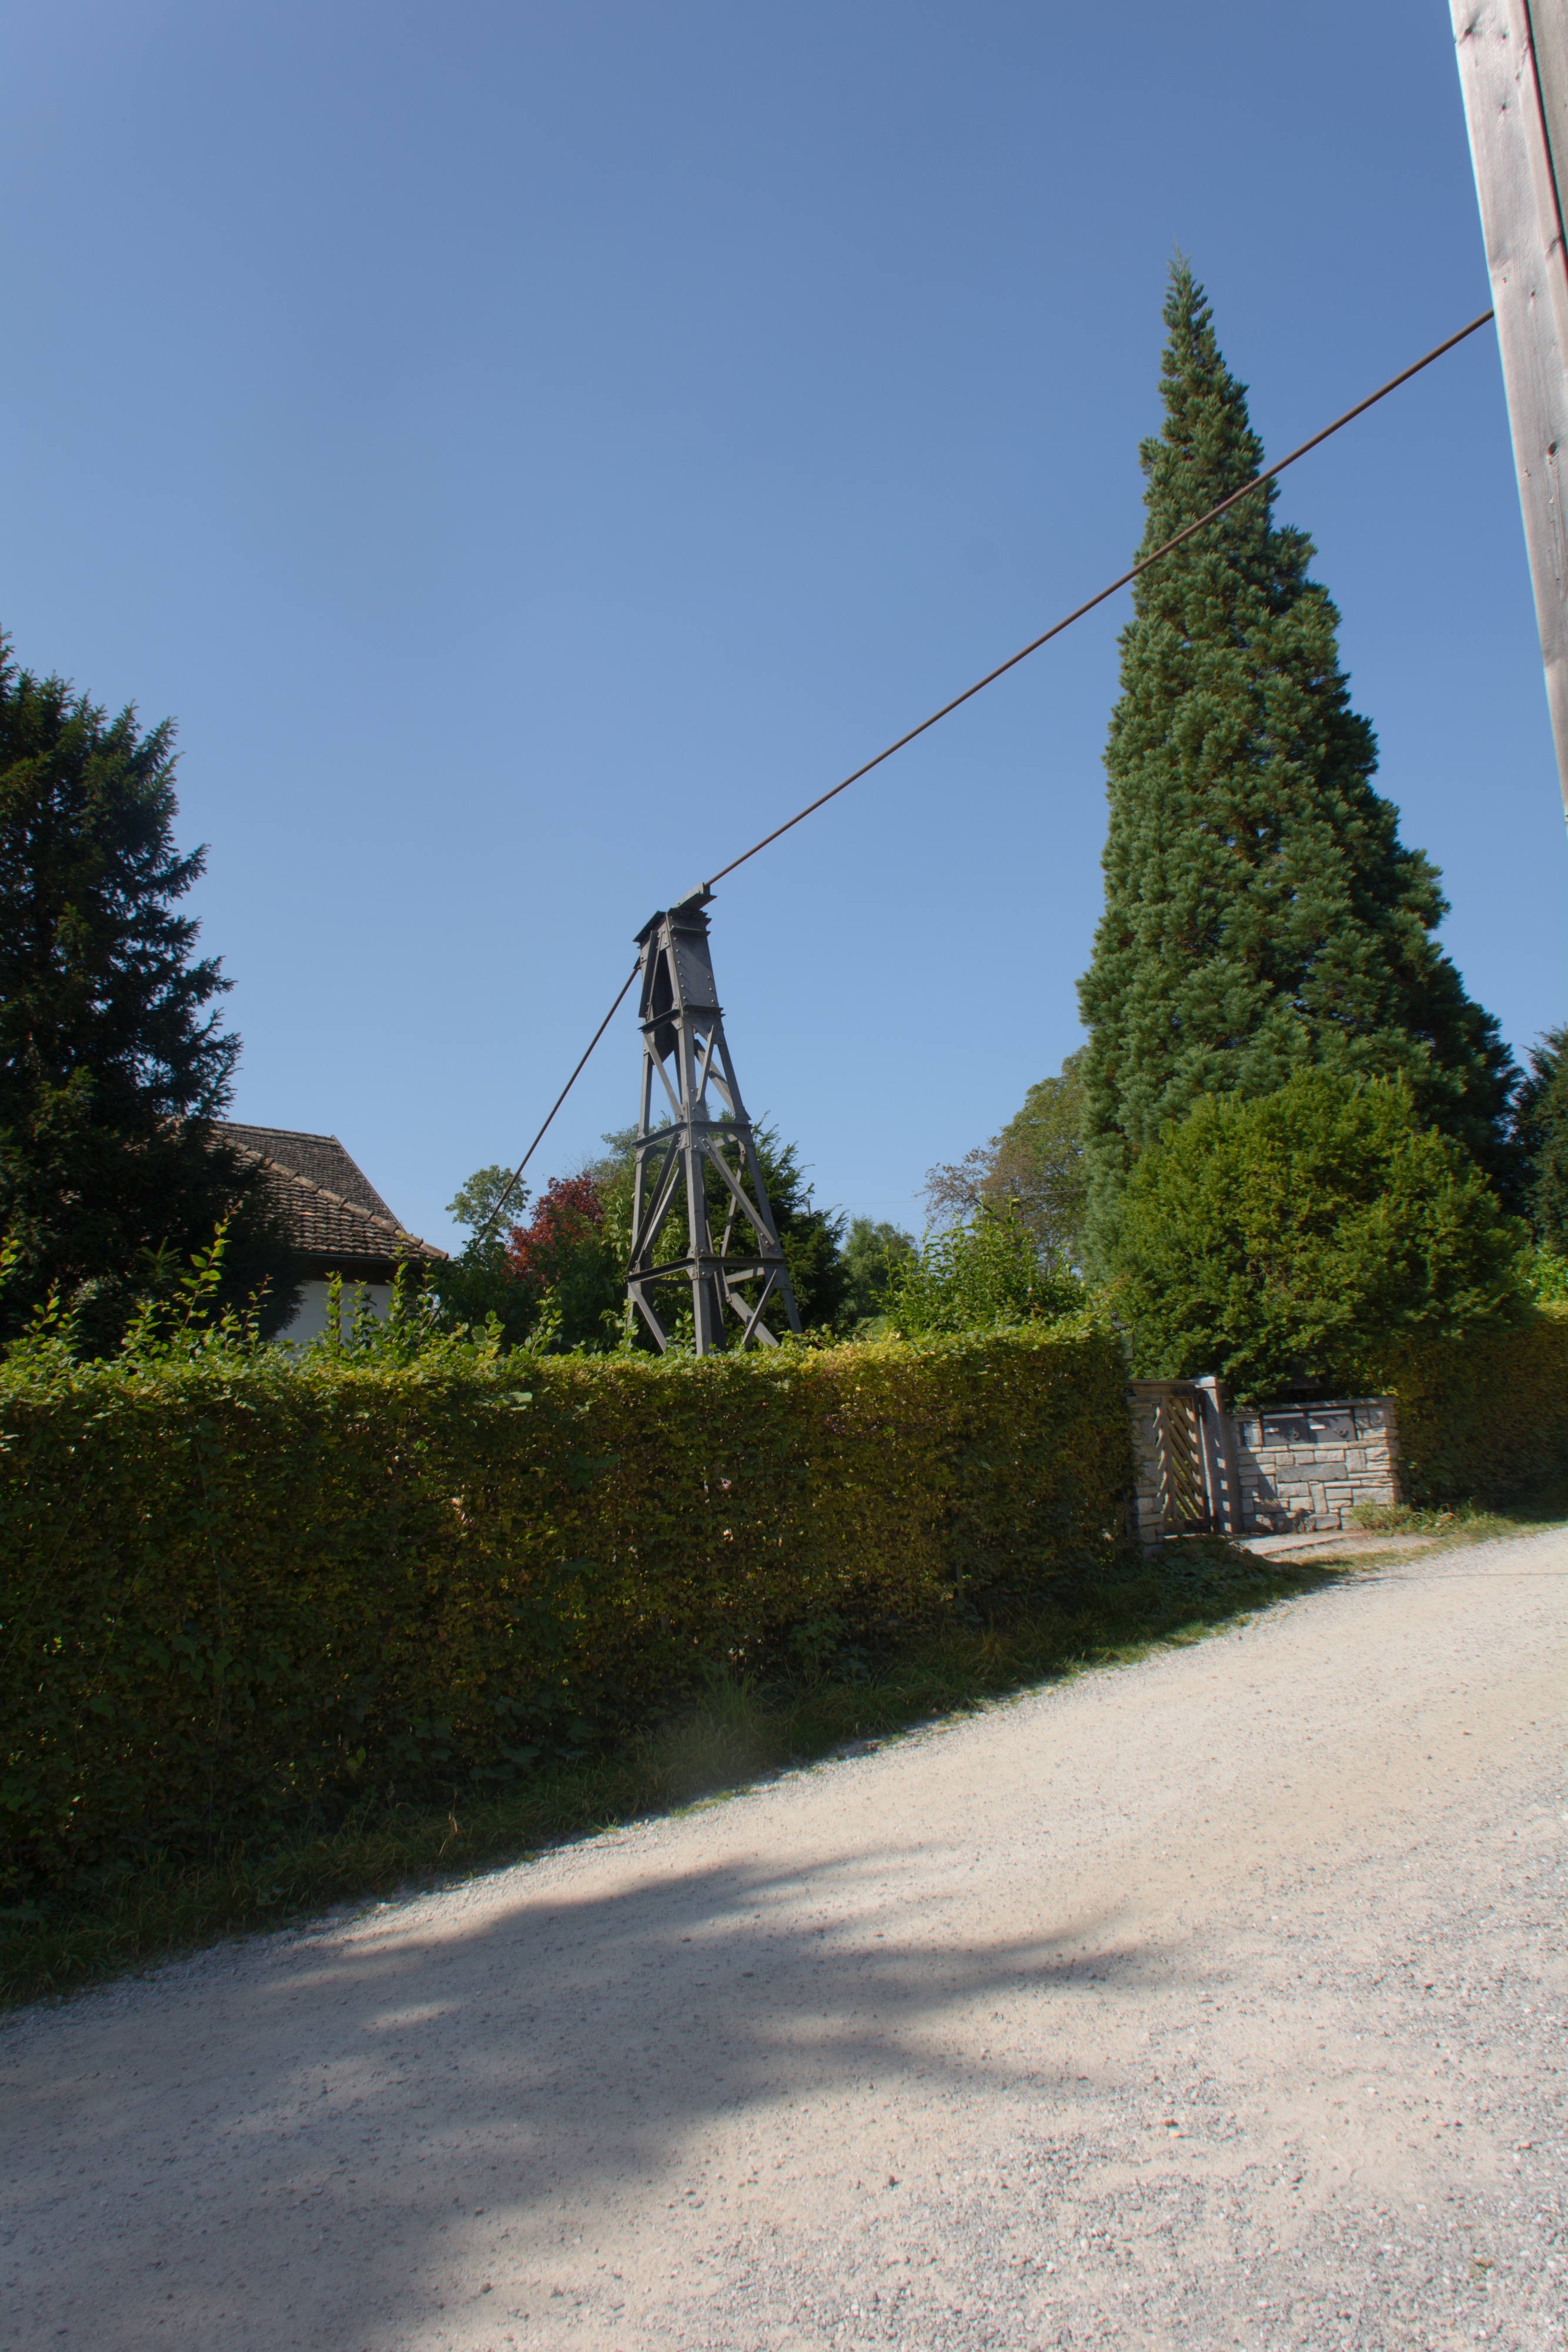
point(240, 1593)
point(979, 1277)
point(1486, 1418)
point(1546, 1271)
point(1302, 1236)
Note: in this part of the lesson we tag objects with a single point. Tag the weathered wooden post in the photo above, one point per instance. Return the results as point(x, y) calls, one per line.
point(1224, 1477)
point(1513, 70)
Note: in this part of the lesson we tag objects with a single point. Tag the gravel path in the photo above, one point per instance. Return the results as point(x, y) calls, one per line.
point(1217, 2000)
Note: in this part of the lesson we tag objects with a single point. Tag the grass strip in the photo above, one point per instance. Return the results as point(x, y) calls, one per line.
point(1473, 1522)
point(733, 1734)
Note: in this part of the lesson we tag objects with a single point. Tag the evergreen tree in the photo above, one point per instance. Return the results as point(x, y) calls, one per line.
point(1541, 1123)
point(811, 1238)
point(874, 1250)
point(112, 1064)
point(1260, 914)
point(1296, 1240)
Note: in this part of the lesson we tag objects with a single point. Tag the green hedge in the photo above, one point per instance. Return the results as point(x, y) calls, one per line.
point(1484, 1418)
point(238, 1592)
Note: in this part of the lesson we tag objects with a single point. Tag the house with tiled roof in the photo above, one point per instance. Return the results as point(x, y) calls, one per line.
point(330, 1213)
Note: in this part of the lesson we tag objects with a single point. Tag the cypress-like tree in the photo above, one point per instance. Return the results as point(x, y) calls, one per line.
point(111, 1062)
point(1541, 1124)
point(1260, 911)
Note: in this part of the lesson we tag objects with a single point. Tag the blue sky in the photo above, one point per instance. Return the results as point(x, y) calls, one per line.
point(531, 449)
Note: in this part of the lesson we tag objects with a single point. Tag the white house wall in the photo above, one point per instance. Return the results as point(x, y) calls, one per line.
point(311, 1319)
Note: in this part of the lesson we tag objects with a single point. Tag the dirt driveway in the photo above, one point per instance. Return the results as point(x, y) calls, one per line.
point(1217, 2000)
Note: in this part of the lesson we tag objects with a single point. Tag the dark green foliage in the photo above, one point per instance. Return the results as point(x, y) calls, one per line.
point(245, 1592)
point(1040, 1163)
point(811, 1238)
point(1298, 1238)
point(564, 1266)
point(1035, 1164)
point(1260, 912)
point(554, 1278)
point(111, 1058)
point(1541, 1120)
point(566, 1258)
point(873, 1252)
point(478, 1282)
point(1484, 1418)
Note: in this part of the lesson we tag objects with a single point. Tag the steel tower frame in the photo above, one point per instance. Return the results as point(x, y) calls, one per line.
point(683, 1025)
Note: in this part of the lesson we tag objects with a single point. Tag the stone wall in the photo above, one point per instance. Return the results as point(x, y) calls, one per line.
point(1312, 1465)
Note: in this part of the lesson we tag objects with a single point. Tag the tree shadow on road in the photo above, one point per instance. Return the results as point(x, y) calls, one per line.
point(294, 2142)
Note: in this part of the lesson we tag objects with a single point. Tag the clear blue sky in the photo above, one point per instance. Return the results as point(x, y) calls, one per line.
point(531, 449)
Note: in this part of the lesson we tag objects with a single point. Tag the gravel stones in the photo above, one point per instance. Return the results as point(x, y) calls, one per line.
point(1217, 2000)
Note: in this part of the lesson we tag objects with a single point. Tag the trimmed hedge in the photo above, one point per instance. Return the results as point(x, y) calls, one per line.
point(238, 1592)
point(1484, 1418)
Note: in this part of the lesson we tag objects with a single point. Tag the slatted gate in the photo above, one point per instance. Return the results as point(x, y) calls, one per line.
point(1187, 1481)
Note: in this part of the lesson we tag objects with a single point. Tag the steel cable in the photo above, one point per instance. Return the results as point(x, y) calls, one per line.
point(1268, 473)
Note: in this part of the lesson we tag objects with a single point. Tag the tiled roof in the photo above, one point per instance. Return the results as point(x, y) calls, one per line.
point(320, 1158)
point(347, 1224)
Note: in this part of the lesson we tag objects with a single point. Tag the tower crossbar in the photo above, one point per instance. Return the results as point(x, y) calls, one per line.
point(688, 1079)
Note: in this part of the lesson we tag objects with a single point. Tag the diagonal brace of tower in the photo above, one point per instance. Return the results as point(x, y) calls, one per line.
point(692, 1119)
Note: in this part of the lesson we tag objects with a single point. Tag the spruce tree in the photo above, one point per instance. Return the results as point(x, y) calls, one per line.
point(1261, 914)
point(112, 1062)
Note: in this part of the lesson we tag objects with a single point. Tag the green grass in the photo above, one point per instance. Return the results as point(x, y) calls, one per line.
point(736, 1734)
point(1470, 1523)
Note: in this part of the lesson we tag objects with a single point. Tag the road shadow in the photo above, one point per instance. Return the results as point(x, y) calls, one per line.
point(290, 2144)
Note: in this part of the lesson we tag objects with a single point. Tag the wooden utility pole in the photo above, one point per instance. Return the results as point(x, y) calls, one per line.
point(1513, 70)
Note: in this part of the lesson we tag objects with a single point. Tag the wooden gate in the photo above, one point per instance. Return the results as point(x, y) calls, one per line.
point(1179, 1483)
point(1187, 1474)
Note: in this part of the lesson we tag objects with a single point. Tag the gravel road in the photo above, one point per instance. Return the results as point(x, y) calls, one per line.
point(1217, 2000)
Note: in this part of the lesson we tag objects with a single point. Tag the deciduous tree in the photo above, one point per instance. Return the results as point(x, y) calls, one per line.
point(478, 1283)
point(565, 1259)
point(1036, 1163)
point(978, 1277)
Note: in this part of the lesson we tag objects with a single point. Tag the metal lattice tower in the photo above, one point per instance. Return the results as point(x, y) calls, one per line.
point(686, 1057)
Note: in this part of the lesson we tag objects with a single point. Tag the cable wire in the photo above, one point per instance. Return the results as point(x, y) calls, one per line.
point(1246, 491)
point(1077, 615)
point(555, 1105)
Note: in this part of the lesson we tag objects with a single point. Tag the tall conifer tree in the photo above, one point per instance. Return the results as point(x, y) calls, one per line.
point(112, 1064)
point(1260, 911)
